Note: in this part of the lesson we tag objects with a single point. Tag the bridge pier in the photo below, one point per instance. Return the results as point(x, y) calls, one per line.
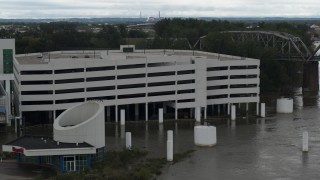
point(311, 76)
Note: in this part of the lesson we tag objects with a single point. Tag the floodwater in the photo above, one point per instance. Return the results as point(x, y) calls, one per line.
point(250, 148)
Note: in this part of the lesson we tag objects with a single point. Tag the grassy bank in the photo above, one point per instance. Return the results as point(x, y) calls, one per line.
point(123, 165)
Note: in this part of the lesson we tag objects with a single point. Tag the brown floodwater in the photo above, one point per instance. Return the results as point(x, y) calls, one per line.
point(250, 148)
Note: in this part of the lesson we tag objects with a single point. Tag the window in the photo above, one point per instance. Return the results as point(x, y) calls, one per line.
point(217, 87)
point(243, 95)
point(103, 78)
point(36, 102)
point(102, 68)
point(161, 64)
point(81, 162)
point(69, 101)
point(243, 85)
point(186, 91)
point(102, 88)
point(218, 96)
point(186, 72)
point(64, 71)
point(191, 81)
point(217, 68)
point(66, 91)
point(167, 83)
point(238, 67)
point(36, 92)
point(171, 73)
point(131, 76)
point(243, 76)
point(164, 93)
point(102, 98)
point(69, 163)
point(186, 100)
point(213, 78)
point(128, 86)
point(127, 96)
point(64, 81)
point(131, 66)
point(36, 72)
point(36, 82)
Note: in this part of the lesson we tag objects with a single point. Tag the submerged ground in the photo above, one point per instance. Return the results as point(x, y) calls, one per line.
point(251, 148)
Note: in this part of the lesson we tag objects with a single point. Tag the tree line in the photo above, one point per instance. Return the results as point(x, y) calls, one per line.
point(170, 34)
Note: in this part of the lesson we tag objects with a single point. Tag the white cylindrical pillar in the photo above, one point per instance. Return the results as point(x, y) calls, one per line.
point(128, 140)
point(169, 150)
point(285, 105)
point(198, 114)
point(170, 135)
point(263, 110)
point(233, 112)
point(257, 108)
point(122, 117)
point(305, 141)
point(247, 106)
point(228, 108)
point(160, 115)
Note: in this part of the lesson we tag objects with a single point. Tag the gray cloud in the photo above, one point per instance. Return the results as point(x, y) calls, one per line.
point(129, 8)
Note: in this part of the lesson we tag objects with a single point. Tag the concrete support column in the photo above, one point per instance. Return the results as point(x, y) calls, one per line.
point(176, 113)
point(198, 114)
point(263, 110)
point(128, 140)
point(136, 112)
point(205, 113)
point(247, 107)
point(54, 115)
point(122, 117)
point(15, 124)
point(147, 118)
point(257, 108)
point(233, 112)
point(116, 113)
point(228, 108)
point(305, 141)
point(160, 116)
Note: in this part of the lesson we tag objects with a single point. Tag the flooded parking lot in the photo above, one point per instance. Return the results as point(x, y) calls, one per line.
point(250, 148)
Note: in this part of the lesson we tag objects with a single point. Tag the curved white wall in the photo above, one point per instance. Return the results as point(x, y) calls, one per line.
point(81, 123)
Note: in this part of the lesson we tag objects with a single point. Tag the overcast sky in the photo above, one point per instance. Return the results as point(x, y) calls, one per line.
point(168, 8)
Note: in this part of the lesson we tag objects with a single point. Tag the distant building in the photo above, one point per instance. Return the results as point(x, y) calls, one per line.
point(315, 27)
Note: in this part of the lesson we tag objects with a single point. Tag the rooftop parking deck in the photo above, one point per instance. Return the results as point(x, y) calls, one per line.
point(85, 55)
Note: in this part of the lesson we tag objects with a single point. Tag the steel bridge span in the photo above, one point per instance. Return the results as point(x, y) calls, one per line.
point(289, 47)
